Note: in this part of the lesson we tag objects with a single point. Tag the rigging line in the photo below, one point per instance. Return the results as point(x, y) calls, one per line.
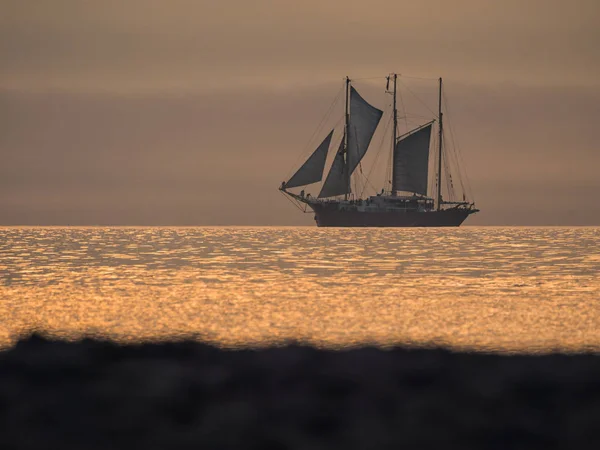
point(380, 147)
point(414, 130)
point(366, 179)
point(449, 185)
point(317, 130)
point(371, 185)
point(329, 156)
point(433, 164)
point(295, 203)
point(454, 160)
point(354, 182)
point(415, 116)
point(404, 113)
point(417, 97)
point(368, 78)
point(360, 180)
point(460, 156)
point(390, 170)
point(467, 191)
point(448, 171)
point(418, 78)
point(455, 153)
point(450, 160)
point(360, 186)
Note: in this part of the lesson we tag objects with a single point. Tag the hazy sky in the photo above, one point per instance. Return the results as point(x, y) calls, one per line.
point(192, 112)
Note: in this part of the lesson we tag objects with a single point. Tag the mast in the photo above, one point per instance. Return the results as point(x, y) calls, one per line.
point(441, 129)
point(346, 129)
point(394, 133)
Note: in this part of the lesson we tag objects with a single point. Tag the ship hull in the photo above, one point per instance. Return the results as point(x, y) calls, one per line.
point(329, 217)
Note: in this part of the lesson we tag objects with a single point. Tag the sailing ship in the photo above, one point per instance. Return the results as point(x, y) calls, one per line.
point(406, 202)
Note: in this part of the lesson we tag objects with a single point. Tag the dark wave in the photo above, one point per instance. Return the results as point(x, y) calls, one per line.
point(93, 394)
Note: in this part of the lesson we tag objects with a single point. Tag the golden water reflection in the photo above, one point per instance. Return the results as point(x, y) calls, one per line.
point(486, 288)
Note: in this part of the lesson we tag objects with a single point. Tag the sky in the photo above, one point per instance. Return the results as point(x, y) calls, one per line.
point(147, 112)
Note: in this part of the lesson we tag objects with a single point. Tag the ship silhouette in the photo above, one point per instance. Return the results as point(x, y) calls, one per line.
point(406, 202)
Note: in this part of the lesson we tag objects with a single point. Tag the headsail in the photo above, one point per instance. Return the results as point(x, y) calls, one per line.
point(336, 182)
point(364, 119)
point(312, 170)
point(411, 162)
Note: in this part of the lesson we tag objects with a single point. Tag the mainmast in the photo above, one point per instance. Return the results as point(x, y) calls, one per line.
point(441, 130)
point(346, 129)
point(394, 134)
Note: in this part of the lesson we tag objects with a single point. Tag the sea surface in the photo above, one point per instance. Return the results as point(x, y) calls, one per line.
point(501, 289)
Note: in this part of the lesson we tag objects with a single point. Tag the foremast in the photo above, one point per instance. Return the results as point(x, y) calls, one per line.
point(346, 134)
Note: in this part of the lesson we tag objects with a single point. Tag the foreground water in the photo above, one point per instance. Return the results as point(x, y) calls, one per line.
point(508, 289)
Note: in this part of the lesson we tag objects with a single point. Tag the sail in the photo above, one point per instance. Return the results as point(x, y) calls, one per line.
point(312, 170)
point(411, 162)
point(336, 182)
point(362, 123)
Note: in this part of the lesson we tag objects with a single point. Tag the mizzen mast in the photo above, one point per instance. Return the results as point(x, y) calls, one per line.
point(394, 134)
point(440, 137)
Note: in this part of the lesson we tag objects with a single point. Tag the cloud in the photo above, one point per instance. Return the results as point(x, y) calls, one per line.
point(192, 112)
point(145, 45)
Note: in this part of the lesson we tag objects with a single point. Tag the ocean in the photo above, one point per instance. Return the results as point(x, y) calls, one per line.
point(520, 289)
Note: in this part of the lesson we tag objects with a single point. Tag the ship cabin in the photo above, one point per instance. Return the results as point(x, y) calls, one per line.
point(403, 202)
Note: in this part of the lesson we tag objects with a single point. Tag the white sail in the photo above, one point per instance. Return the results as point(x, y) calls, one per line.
point(411, 162)
point(336, 182)
point(362, 123)
point(312, 170)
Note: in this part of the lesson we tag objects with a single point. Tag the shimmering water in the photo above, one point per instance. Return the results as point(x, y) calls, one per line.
point(487, 288)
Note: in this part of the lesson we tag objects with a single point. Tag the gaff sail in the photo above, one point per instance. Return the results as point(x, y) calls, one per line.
point(411, 161)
